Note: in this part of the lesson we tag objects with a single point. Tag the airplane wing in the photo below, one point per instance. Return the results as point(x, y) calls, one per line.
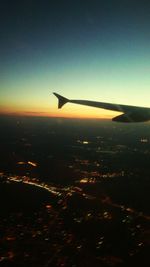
point(129, 113)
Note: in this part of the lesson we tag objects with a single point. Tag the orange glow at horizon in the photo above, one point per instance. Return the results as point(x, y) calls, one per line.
point(47, 110)
point(58, 114)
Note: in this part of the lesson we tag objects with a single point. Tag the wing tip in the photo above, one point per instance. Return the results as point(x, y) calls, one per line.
point(61, 100)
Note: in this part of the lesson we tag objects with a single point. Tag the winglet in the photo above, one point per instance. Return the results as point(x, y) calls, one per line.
point(61, 100)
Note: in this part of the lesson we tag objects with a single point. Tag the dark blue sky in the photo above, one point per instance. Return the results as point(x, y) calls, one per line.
point(41, 24)
point(100, 49)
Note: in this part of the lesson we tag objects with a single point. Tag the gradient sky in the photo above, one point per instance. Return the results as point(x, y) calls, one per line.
point(96, 50)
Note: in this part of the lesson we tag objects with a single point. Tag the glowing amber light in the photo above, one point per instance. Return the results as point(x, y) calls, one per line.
point(32, 163)
point(20, 162)
point(48, 206)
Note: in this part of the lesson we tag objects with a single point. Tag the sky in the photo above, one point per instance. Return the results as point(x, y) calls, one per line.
point(95, 50)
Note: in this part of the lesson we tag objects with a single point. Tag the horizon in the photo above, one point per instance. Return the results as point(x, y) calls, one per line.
point(43, 115)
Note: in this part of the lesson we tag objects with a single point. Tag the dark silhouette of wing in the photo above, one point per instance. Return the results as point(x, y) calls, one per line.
point(130, 113)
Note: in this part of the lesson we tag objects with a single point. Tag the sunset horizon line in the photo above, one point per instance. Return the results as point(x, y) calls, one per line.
point(44, 114)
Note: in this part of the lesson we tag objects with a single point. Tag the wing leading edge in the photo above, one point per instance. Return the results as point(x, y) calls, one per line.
point(130, 113)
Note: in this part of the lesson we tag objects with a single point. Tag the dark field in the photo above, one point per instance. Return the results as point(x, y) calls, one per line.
point(74, 193)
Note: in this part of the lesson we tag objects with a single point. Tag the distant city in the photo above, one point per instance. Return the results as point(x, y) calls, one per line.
point(74, 193)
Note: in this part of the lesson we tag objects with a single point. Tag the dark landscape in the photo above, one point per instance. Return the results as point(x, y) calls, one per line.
point(74, 193)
